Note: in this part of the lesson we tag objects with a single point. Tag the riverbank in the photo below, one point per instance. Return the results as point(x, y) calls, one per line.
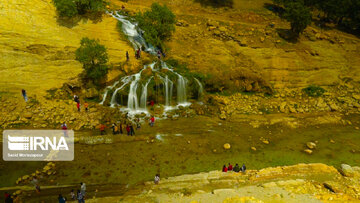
point(297, 183)
point(172, 149)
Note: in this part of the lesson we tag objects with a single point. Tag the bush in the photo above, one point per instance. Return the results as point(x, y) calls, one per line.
point(158, 24)
point(94, 57)
point(314, 91)
point(216, 3)
point(70, 8)
point(298, 15)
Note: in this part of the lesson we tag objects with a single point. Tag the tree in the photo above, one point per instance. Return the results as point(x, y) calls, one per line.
point(93, 57)
point(158, 24)
point(65, 8)
point(298, 15)
point(70, 8)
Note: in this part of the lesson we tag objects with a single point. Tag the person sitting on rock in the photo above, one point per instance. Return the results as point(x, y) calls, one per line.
point(230, 167)
point(243, 168)
point(157, 179)
point(237, 168)
point(224, 168)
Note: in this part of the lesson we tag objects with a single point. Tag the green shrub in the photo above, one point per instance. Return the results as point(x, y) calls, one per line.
point(158, 24)
point(314, 91)
point(94, 57)
point(70, 8)
point(298, 15)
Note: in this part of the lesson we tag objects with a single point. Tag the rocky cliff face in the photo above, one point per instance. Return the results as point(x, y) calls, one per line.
point(37, 50)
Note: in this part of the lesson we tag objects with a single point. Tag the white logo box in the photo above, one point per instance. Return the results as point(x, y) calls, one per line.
point(38, 145)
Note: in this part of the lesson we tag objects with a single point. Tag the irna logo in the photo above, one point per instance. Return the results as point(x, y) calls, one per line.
point(37, 143)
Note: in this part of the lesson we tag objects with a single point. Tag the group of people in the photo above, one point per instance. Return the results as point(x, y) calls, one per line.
point(77, 100)
point(118, 128)
point(79, 196)
point(138, 54)
point(237, 168)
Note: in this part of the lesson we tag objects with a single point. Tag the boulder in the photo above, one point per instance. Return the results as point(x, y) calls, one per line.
point(28, 115)
point(227, 146)
point(311, 145)
point(308, 151)
point(347, 170)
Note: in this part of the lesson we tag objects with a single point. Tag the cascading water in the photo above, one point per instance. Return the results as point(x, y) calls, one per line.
point(201, 88)
point(181, 90)
point(108, 88)
point(135, 104)
point(143, 99)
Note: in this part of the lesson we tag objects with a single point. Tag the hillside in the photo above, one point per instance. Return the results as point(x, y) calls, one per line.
point(37, 50)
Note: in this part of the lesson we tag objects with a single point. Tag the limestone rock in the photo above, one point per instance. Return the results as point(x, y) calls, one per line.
point(227, 146)
point(28, 115)
point(347, 170)
point(311, 145)
point(308, 151)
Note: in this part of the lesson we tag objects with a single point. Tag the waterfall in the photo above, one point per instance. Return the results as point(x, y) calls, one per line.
point(134, 35)
point(168, 88)
point(108, 88)
point(181, 89)
point(201, 88)
point(143, 99)
point(125, 81)
point(133, 98)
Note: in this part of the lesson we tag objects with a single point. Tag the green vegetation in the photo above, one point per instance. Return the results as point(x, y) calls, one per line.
point(158, 24)
point(314, 91)
point(94, 57)
point(216, 3)
point(70, 8)
point(341, 12)
point(298, 15)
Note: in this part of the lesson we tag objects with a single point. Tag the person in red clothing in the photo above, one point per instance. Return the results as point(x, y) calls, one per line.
point(225, 169)
point(230, 167)
point(102, 129)
point(78, 106)
point(152, 121)
point(128, 129)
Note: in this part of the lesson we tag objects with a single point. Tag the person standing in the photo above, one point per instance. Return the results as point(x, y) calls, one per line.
point(80, 197)
point(120, 128)
point(127, 56)
point(102, 129)
point(72, 195)
point(152, 121)
point(132, 131)
point(23, 92)
point(78, 106)
point(76, 99)
point(86, 106)
point(64, 128)
point(114, 128)
point(83, 189)
point(61, 199)
point(157, 179)
point(128, 129)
